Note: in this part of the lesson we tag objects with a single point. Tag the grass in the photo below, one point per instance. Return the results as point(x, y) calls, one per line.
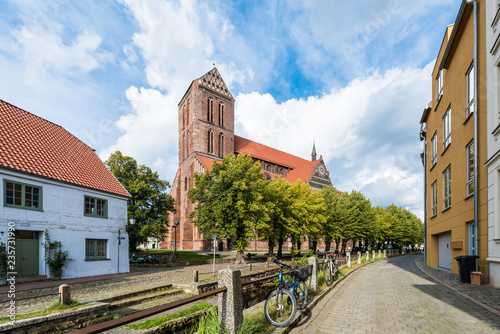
point(54, 308)
point(183, 256)
point(158, 321)
point(254, 323)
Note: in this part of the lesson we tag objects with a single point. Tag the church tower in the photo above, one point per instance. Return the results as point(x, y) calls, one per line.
point(205, 130)
point(206, 118)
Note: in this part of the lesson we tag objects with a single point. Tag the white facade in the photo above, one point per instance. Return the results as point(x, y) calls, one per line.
point(62, 216)
point(493, 128)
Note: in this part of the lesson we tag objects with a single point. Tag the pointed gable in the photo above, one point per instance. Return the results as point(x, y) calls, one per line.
point(33, 145)
point(213, 81)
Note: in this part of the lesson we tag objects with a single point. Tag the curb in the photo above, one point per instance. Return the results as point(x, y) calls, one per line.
point(475, 301)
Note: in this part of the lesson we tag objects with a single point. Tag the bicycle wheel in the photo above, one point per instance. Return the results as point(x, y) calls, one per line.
point(301, 294)
point(280, 307)
point(327, 273)
point(336, 269)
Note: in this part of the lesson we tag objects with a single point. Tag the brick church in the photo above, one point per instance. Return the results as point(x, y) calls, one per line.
point(206, 134)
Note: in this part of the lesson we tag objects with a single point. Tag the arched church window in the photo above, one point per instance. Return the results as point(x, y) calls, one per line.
point(281, 172)
point(268, 168)
point(210, 142)
point(221, 114)
point(221, 144)
point(210, 110)
point(185, 183)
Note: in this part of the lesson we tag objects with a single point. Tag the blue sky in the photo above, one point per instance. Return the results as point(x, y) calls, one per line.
point(354, 76)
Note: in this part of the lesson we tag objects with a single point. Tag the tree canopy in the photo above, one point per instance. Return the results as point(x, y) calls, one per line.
point(150, 203)
point(229, 200)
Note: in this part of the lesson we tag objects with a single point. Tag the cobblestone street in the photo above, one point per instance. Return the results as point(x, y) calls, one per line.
point(395, 296)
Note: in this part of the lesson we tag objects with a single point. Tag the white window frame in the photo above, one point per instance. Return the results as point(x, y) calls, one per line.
point(434, 149)
point(439, 85)
point(470, 90)
point(470, 168)
point(447, 129)
point(434, 198)
point(447, 188)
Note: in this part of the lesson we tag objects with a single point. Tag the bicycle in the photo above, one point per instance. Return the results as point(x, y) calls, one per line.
point(282, 302)
point(330, 268)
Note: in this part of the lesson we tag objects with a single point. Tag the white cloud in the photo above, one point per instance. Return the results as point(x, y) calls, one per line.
point(366, 131)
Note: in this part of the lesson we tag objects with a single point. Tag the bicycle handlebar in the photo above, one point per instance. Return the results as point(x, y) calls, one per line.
point(281, 264)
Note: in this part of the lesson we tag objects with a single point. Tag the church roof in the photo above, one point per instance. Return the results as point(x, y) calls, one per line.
point(33, 145)
point(299, 168)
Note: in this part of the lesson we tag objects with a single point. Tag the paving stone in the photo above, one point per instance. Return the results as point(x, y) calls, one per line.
point(395, 296)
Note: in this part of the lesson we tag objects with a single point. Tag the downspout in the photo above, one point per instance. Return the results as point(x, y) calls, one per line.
point(424, 162)
point(476, 176)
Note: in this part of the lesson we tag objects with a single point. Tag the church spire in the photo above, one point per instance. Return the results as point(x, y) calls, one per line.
point(313, 154)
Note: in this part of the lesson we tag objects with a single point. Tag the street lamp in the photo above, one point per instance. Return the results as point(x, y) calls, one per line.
point(175, 235)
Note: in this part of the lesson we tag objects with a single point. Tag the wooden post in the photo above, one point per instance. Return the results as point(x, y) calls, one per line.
point(195, 276)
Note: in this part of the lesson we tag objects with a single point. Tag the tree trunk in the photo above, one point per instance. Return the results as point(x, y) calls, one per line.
point(270, 246)
point(298, 247)
point(280, 248)
point(240, 257)
point(328, 243)
point(314, 246)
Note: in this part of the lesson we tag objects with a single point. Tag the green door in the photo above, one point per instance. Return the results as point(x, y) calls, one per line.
point(27, 257)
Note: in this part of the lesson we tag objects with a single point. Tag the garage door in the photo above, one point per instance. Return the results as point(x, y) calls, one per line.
point(444, 250)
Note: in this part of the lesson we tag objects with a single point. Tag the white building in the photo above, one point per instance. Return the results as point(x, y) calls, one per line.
point(52, 183)
point(493, 126)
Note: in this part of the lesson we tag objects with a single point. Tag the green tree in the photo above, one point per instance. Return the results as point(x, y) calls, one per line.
point(278, 203)
point(333, 227)
point(150, 204)
point(229, 200)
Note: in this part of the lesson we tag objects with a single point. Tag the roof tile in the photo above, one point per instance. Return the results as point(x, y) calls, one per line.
point(31, 144)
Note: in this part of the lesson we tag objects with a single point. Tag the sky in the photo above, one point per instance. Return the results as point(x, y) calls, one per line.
point(351, 76)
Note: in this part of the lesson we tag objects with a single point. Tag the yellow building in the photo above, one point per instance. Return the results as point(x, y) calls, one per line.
point(454, 129)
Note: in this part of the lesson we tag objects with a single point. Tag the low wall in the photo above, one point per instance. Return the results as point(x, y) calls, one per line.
point(61, 322)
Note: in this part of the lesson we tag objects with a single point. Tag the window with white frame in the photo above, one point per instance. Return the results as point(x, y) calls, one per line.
point(447, 188)
point(447, 129)
point(434, 198)
point(96, 249)
point(434, 149)
point(439, 85)
point(470, 90)
point(470, 168)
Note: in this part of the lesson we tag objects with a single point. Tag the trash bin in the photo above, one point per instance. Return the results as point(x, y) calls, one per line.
point(466, 264)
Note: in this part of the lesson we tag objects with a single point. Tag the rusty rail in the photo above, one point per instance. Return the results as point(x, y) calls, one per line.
point(146, 313)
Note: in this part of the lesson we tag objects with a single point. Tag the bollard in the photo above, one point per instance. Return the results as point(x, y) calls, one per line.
point(195, 276)
point(230, 303)
point(359, 257)
point(64, 294)
point(367, 256)
point(313, 280)
point(249, 267)
point(373, 254)
point(385, 255)
point(379, 254)
point(348, 255)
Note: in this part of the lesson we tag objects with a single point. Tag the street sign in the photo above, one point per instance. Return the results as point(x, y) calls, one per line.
point(214, 236)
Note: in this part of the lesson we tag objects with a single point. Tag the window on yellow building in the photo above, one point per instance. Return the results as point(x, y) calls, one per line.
point(439, 85)
point(470, 168)
point(434, 198)
point(447, 129)
point(434, 149)
point(447, 188)
point(470, 90)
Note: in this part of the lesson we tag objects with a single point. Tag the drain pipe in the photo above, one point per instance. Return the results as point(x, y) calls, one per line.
point(476, 176)
point(424, 162)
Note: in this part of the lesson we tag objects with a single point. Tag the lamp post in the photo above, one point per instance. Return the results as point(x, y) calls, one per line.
point(175, 235)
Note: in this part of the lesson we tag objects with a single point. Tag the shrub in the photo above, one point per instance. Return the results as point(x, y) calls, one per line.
point(56, 259)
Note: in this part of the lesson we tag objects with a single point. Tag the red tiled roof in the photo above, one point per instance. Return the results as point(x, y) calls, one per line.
point(36, 146)
point(300, 168)
point(208, 162)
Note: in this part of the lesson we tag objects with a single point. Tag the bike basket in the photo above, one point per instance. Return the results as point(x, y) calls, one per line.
point(304, 273)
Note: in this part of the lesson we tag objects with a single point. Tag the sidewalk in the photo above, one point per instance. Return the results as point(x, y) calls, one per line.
point(483, 295)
